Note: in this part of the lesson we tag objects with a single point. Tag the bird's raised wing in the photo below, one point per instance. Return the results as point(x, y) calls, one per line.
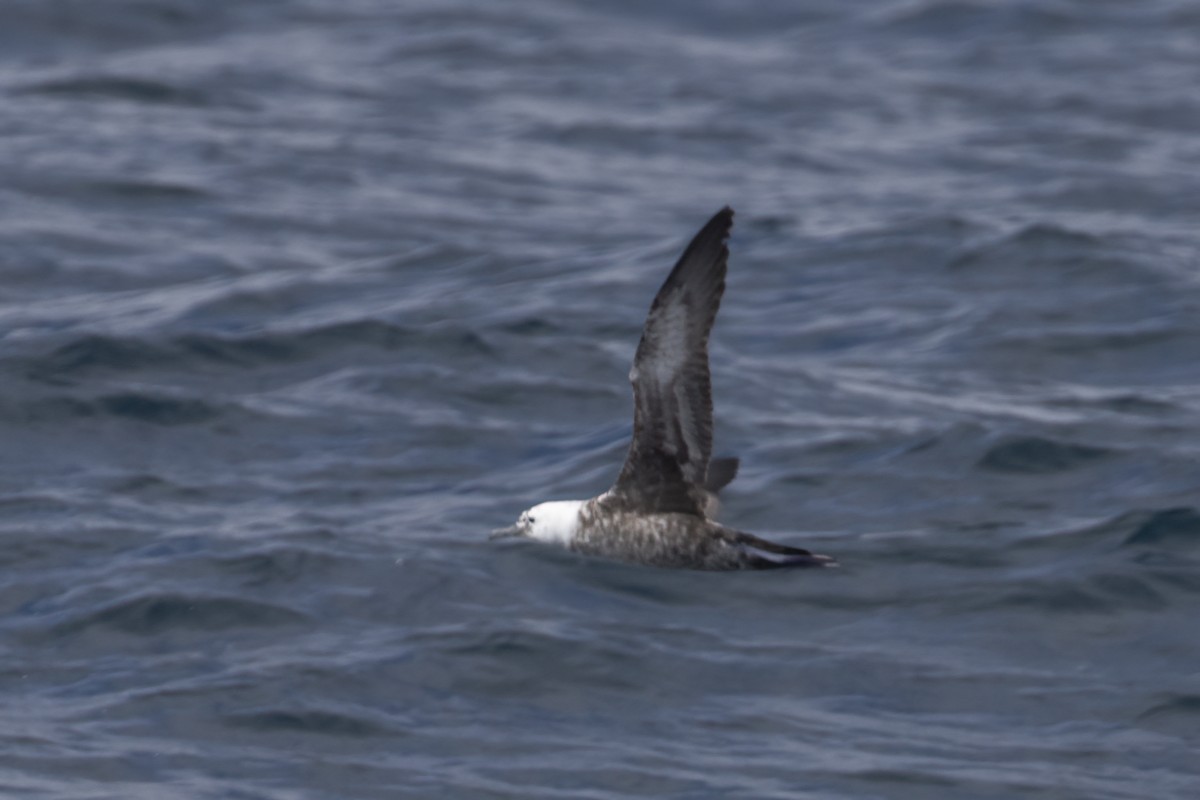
point(672, 391)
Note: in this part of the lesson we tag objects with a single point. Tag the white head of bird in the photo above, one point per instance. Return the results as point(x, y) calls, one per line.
point(556, 521)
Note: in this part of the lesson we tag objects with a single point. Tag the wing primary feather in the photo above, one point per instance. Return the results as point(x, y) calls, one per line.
point(667, 464)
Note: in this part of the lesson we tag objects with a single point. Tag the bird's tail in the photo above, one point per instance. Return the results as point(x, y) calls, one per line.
point(762, 554)
point(800, 558)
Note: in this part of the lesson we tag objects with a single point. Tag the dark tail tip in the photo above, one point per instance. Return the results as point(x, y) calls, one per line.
point(777, 560)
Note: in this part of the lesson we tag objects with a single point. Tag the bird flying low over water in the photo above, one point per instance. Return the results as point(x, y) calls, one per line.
point(660, 511)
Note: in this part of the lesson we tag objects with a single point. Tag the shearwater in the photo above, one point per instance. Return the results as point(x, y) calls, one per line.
point(661, 510)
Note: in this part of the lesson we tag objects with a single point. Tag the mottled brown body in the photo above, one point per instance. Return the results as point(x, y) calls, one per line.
point(608, 528)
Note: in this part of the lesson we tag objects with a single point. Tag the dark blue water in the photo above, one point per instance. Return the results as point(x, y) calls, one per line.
point(298, 299)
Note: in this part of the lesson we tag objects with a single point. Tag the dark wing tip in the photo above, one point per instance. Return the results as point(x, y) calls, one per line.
point(715, 232)
point(719, 226)
point(720, 472)
point(705, 255)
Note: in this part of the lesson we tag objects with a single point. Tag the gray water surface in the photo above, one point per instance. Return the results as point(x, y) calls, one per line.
point(299, 298)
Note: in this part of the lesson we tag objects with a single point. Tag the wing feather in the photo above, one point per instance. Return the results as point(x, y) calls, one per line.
point(668, 458)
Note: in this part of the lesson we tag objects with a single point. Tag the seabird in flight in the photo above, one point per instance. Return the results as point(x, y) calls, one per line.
point(660, 511)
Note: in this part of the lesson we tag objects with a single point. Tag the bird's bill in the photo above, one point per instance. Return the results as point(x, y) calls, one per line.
point(506, 533)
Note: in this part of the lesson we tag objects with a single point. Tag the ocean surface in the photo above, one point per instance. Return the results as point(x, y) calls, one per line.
point(300, 298)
